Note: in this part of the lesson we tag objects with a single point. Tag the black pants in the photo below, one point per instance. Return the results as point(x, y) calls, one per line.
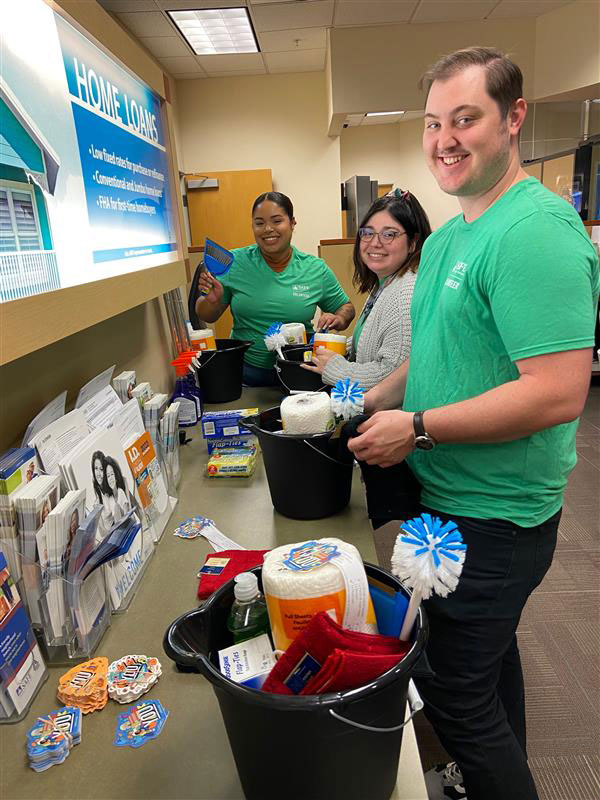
point(476, 700)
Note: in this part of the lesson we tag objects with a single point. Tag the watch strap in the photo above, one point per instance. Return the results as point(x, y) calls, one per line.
point(418, 424)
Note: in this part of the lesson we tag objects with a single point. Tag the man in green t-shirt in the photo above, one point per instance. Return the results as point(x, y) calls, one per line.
point(502, 333)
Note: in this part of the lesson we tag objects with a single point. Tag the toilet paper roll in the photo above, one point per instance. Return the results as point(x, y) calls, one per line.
point(307, 412)
point(294, 332)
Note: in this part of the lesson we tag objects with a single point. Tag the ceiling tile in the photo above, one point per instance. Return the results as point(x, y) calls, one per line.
point(372, 12)
point(525, 8)
point(122, 6)
point(296, 61)
point(229, 63)
point(237, 73)
point(164, 46)
point(298, 39)
point(148, 23)
point(309, 14)
point(181, 64)
point(191, 76)
point(452, 10)
point(264, 2)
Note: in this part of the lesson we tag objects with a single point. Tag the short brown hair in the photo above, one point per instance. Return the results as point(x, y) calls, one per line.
point(504, 79)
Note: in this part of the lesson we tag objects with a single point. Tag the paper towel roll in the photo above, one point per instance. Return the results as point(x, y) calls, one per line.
point(300, 580)
point(307, 412)
point(294, 332)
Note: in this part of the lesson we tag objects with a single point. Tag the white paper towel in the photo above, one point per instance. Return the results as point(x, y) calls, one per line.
point(294, 332)
point(308, 412)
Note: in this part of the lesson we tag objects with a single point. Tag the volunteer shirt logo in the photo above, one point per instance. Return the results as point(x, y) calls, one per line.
point(456, 276)
point(300, 290)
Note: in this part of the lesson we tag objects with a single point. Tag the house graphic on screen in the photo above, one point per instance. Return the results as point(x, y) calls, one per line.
point(28, 170)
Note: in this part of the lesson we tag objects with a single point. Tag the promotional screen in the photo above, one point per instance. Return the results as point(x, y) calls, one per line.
point(84, 169)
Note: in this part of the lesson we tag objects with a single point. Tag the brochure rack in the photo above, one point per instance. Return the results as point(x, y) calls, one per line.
point(22, 668)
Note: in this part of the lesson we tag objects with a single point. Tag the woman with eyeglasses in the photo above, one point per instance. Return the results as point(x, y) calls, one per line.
point(386, 256)
point(271, 281)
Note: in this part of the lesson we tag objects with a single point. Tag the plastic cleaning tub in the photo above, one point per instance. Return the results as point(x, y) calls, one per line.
point(309, 476)
point(292, 376)
point(336, 746)
point(219, 375)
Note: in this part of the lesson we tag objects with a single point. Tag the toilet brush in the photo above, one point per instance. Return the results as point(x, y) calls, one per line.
point(274, 338)
point(347, 399)
point(428, 556)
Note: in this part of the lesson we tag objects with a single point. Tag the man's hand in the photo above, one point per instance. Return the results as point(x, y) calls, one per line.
point(319, 360)
point(385, 439)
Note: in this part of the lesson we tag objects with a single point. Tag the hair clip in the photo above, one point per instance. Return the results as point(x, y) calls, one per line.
point(401, 194)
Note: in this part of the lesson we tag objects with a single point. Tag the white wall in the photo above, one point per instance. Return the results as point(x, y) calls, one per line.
point(268, 121)
point(393, 154)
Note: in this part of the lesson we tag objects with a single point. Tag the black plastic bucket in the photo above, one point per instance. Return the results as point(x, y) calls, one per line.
point(219, 375)
point(309, 476)
point(292, 377)
point(302, 748)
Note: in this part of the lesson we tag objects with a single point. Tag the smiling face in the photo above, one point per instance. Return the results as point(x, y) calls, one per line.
point(469, 147)
point(74, 523)
point(98, 471)
point(272, 229)
point(111, 478)
point(385, 259)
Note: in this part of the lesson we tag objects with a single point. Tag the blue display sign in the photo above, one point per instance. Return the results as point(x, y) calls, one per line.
point(122, 147)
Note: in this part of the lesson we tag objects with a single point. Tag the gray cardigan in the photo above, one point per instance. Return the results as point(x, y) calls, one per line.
point(385, 339)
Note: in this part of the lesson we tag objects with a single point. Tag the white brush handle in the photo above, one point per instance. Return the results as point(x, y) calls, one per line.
point(411, 615)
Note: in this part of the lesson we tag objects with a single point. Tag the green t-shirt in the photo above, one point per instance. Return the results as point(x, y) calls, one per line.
point(520, 281)
point(258, 296)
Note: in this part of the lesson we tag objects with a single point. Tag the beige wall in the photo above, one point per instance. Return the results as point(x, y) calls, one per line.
point(567, 55)
point(393, 154)
point(276, 122)
point(378, 69)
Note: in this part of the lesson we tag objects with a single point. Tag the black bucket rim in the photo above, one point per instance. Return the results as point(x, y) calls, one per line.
point(291, 437)
point(294, 702)
point(239, 345)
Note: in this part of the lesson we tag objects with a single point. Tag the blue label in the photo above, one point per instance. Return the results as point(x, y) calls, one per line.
point(304, 670)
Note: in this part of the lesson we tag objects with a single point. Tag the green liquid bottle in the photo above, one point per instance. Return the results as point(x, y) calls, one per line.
point(248, 616)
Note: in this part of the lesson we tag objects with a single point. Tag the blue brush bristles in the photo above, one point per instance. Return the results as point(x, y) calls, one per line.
point(274, 338)
point(429, 555)
point(347, 399)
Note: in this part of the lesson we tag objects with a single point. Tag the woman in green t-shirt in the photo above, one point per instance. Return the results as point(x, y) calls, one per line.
point(387, 252)
point(271, 281)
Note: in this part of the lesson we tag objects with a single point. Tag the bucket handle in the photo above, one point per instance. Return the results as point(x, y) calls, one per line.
point(202, 364)
point(294, 391)
point(329, 458)
point(371, 727)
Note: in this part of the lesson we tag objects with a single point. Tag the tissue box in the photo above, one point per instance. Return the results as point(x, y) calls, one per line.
point(222, 424)
point(249, 662)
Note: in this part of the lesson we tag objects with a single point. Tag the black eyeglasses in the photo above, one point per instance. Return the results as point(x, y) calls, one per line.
point(385, 237)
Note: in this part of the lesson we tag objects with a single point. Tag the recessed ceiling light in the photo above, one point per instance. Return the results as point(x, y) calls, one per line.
point(216, 30)
point(384, 113)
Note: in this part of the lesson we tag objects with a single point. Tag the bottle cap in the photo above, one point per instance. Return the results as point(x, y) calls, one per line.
point(246, 586)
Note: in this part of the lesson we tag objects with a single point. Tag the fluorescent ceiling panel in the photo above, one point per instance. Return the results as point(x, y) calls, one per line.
point(217, 30)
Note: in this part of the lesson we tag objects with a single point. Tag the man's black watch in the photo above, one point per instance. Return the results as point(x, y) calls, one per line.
point(423, 440)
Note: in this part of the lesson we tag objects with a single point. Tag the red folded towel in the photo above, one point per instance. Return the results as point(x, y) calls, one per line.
point(222, 566)
point(345, 670)
point(346, 659)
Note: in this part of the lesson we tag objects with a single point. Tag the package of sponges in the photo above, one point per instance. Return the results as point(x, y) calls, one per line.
point(302, 579)
point(233, 463)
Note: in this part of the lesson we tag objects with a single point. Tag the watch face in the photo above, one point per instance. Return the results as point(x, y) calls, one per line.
point(424, 442)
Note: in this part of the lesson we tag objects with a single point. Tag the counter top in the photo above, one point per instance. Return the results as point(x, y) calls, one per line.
point(191, 758)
